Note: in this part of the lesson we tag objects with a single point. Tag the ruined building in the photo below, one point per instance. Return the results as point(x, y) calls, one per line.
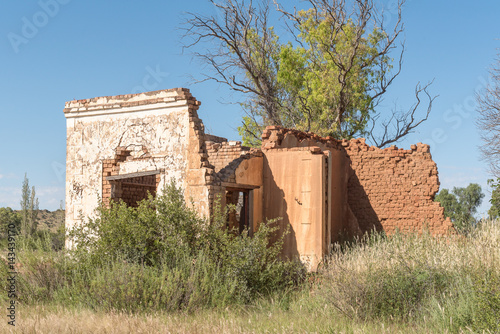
point(122, 147)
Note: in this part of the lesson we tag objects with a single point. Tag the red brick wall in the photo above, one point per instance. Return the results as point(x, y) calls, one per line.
point(222, 154)
point(111, 167)
point(387, 189)
point(136, 189)
point(394, 188)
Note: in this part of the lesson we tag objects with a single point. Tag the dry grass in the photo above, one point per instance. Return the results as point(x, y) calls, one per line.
point(43, 319)
point(442, 283)
point(451, 253)
point(314, 309)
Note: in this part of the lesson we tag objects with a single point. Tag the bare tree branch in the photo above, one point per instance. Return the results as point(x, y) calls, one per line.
point(402, 123)
point(488, 122)
point(241, 50)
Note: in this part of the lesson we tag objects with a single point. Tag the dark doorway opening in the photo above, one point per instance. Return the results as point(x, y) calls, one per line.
point(239, 219)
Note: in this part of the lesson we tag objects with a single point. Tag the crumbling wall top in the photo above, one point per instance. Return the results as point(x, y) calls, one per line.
point(174, 97)
point(273, 136)
point(390, 188)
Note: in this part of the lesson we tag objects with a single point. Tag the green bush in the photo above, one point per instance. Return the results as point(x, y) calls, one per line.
point(134, 287)
point(40, 274)
point(399, 292)
point(159, 255)
point(7, 217)
point(253, 260)
point(157, 229)
point(42, 240)
point(487, 302)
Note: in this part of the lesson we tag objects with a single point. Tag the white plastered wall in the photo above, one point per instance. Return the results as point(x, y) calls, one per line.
point(94, 133)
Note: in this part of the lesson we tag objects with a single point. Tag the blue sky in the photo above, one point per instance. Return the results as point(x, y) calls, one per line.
point(52, 51)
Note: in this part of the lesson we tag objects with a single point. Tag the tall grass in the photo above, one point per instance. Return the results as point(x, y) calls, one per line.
point(449, 283)
point(380, 284)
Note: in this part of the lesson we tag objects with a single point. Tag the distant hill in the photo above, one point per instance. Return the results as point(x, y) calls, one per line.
point(49, 220)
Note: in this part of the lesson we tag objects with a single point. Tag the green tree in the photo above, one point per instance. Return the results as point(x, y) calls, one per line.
point(449, 202)
point(29, 209)
point(461, 205)
point(7, 217)
point(327, 78)
point(494, 211)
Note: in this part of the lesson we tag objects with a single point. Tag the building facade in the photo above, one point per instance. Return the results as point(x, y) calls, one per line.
point(322, 189)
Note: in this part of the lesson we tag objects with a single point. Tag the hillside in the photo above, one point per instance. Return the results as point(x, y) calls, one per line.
point(49, 220)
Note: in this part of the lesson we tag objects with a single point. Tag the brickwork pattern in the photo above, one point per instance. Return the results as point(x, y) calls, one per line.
point(388, 189)
point(133, 189)
point(226, 156)
point(393, 189)
point(111, 167)
point(136, 189)
point(221, 154)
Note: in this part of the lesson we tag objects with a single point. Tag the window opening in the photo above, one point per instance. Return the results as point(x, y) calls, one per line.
point(133, 188)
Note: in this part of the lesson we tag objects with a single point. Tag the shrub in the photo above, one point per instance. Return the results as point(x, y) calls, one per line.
point(119, 285)
point(471, 301)
point(40, 274)
point(401, 292)
point(42, 240)
point(254, 260)
point(160, 255)
point(158, 228)
point(396, 292)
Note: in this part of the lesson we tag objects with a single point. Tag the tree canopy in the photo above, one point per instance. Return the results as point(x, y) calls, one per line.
point(29, 209)
point(7, 217)
point(326, 75)
point(461, 205)
point(494, 211)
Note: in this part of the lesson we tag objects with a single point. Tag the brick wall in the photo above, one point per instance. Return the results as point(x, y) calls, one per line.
point(111, 167)
point(136, 189)
point(226, 157)
point(387, 189)
point(235, 165)
point(394, 188)
point(221, 154)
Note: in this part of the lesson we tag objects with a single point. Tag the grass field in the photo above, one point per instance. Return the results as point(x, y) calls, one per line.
point(257, 319)
point(398, 284)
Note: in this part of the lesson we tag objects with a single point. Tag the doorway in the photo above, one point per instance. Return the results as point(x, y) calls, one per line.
point(239, 219)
